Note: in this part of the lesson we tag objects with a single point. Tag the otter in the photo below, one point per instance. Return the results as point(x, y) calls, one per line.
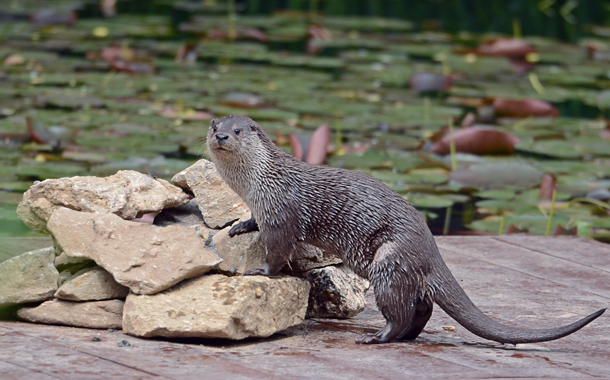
point(377, 233)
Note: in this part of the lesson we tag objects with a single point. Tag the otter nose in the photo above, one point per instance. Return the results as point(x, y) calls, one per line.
point(221, 136)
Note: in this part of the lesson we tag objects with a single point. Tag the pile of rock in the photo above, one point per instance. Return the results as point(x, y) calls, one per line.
point(180, 276)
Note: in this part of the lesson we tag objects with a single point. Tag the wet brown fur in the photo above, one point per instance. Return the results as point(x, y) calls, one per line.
point(374, 230)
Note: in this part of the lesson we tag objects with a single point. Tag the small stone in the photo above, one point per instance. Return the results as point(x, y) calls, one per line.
point(308, 257)
point(217, 306)
point(128, 194)
point(64, 276)
point(29, 277)
point(219, 204)
point(241, 252)
point(186, 215)
point(94, 315)
point(336, 292)
point(143, 257)
point(123, 343)
point(93, 284)
point(64, 261)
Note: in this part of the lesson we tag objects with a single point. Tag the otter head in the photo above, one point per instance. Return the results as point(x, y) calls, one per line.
point(233, 135)
point(240, 149)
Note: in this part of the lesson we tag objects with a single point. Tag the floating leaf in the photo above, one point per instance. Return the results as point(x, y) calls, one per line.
point(428, 82)
point(523, 108)
point(477, 140)
point(496, 175)
point(51, 17)
point(505, 47)
point(187, 114)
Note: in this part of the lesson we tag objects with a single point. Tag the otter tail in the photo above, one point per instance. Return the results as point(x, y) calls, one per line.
point(454, 301)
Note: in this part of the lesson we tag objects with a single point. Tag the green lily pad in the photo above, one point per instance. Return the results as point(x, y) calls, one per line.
point(497, 175)
point(429, 201)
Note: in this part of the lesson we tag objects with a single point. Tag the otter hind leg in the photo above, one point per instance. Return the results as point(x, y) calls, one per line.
point(387, 334)
point(395, 294)
point(423, 312)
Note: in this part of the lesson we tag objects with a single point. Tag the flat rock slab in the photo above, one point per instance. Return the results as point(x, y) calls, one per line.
point(94, 284)
point(219, 204)
point(143, 257)
point(29, 277)
point(325, 348)
point(217, 306)
point(239, 253)
point(336, 292)
point(95, 315)
point(128, 194)
point(308, 257)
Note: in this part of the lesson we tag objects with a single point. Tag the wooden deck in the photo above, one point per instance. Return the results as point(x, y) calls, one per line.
point(528, 281)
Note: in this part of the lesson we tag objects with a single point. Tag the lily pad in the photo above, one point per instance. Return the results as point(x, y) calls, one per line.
point(497, 175)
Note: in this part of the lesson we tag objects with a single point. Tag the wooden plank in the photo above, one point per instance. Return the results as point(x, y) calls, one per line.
point(11, 371)
point(15, 246)
point(577, 249)
point(535, 263)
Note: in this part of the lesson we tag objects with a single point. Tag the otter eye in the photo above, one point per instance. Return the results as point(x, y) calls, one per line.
point(237, 131)
point(214, 129)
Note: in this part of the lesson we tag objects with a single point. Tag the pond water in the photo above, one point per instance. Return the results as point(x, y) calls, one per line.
point(101, 95)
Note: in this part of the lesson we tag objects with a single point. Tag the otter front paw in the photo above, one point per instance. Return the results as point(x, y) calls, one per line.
point(243, 227)
point(256, 272)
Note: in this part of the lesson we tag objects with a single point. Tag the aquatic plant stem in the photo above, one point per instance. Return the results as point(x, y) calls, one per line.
point(447, 221)
point(502, 221)
point(548, 226)
point(535, 82)
point(517, 32)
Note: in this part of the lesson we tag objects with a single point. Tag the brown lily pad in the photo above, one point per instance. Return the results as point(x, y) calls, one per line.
point(477, 140)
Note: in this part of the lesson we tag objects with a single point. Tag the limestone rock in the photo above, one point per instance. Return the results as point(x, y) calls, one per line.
point(64, 276)
point(94, 315)
point(241, 252)
point(93, 284)
point(186, 215)
point(128, 194)
point(219, 204)
point(29, 277)
point(217, 306)
point(143, 257)
point(63, 261)
point(336, 292)
point(308, 257)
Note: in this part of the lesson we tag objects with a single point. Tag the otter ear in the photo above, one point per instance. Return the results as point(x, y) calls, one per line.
point(253, 127)
point(213, 123)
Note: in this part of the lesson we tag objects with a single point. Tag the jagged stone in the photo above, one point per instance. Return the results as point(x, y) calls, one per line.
point(94, 315)
point(241, 252)
point(219, 204)
point(143, 257)
point(128, 194)
point(216, 306)
point(91, 284)
point(186, 215)
point(308, 257)
point(336, 292)
point(63, 261)
point(29, 277)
